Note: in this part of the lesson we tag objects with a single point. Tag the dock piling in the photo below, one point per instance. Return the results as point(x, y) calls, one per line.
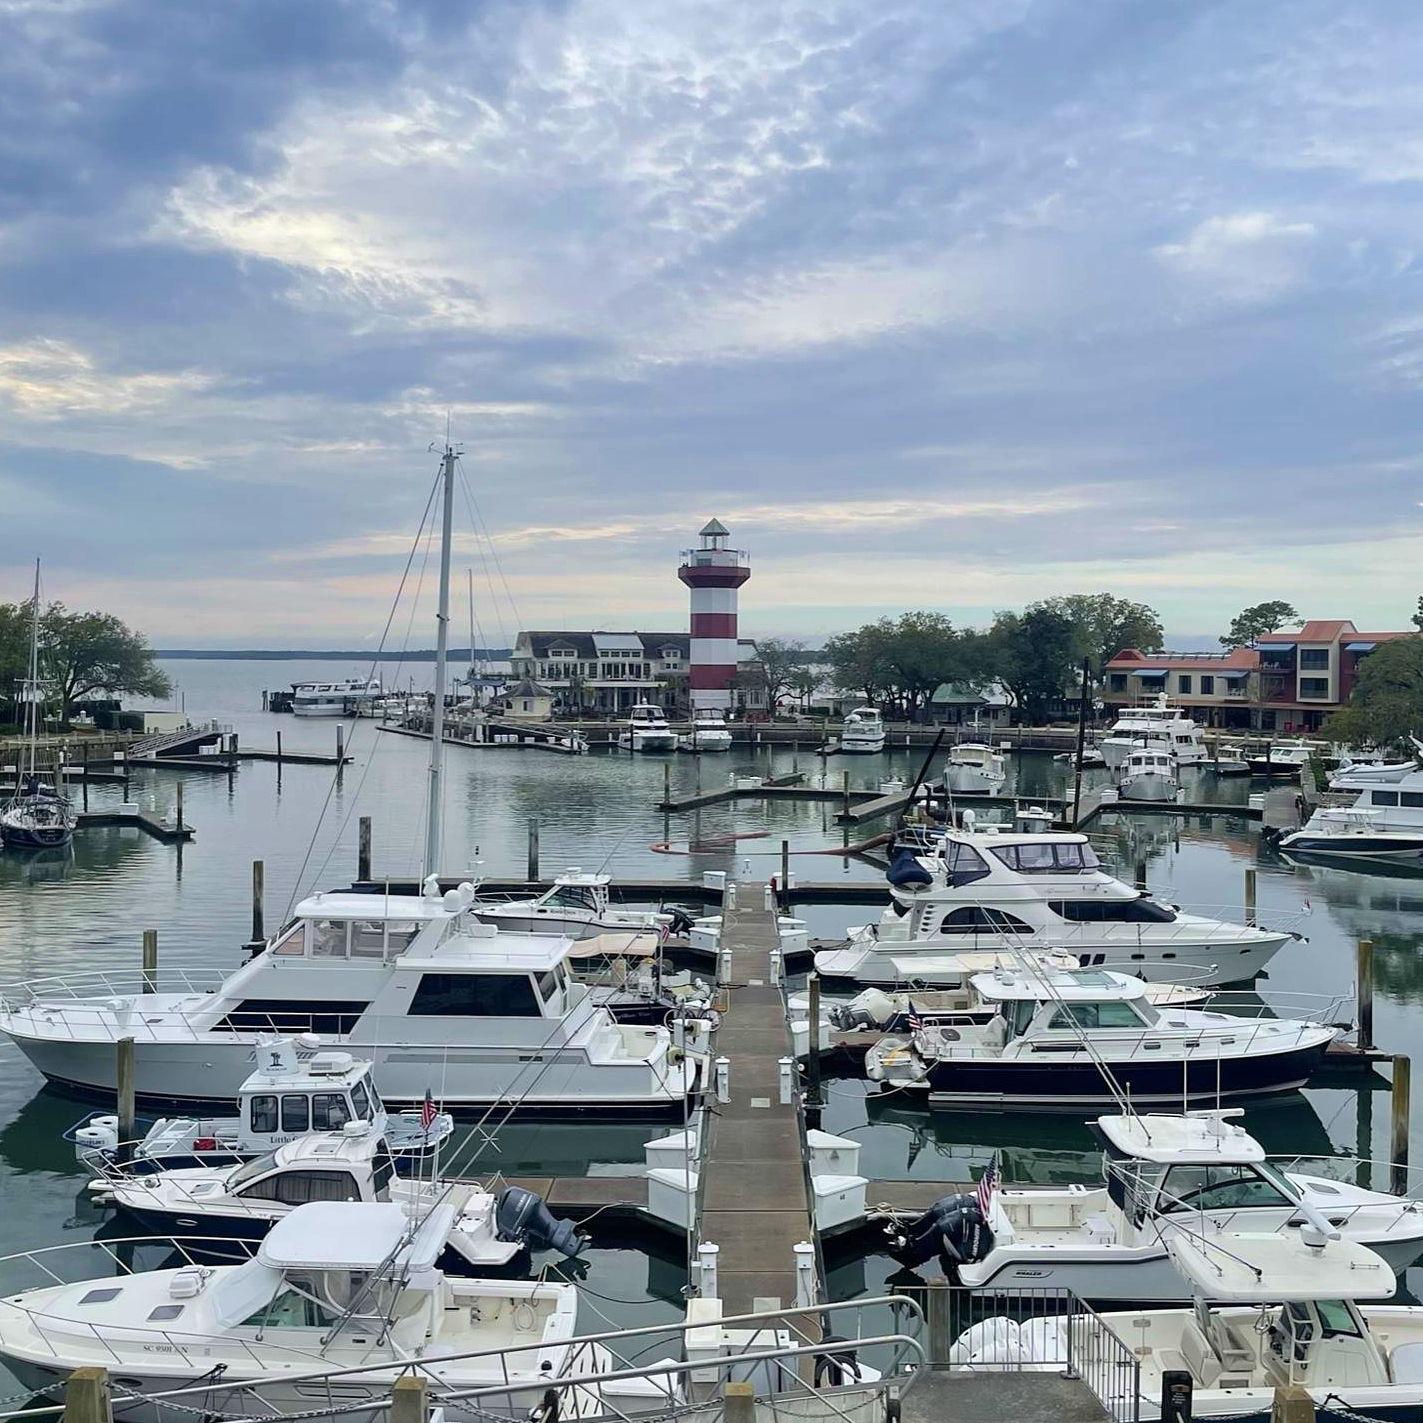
point(150, 960)
point(279, 747)
point(1398, 1152)
point(1250, 888)
point(533, 850)
point(340, 745)
point(86, 1396)
point(409, 1399)
point(178, 804)
point(363, 848)
point(738, 1401)
point(812, 1061)
point(1364, 969)
point(845, 794)
point(666, 783)
point(258, 885)
point(939, 1313)
point(786, 876)
point(128, 1098)
point(1140, 874)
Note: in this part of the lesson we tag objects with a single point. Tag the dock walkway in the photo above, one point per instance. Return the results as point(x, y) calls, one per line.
point(755, 1204)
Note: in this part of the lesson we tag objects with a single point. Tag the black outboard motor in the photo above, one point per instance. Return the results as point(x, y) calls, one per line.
point(522, 1216)
point(953, 1228)
point(681, 918)
point(905, 872)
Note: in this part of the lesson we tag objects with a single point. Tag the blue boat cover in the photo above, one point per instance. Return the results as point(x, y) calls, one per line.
point(905, 872)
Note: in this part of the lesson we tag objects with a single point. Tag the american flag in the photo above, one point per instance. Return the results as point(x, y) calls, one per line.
point(913, 1019)
point(987, 1185)
point(427, 1112)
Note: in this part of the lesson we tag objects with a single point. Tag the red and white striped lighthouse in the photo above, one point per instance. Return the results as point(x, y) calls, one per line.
point(714, 573)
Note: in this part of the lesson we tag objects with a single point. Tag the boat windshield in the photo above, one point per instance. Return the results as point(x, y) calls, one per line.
point(572, 896)
point(249, 1171)
point(1048, 857)
point(1227, 1186)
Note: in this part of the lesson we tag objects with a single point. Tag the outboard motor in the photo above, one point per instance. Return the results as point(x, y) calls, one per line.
point(870, 1009)
point(905, 872)
point(953, 1228)
point(681, 918)
point(521, 1216)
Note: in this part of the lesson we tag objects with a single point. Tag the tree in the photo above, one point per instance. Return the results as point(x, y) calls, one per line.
point(1033, 653)
point(780, 658)
point(14, 653)
point(83, 653)
point(1253, 622)
point(1386, 704)
point(805, 683)
point(857, 660)
point(1417, 618)
point(1104, 625)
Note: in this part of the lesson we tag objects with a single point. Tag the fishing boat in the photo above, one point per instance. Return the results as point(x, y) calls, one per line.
point(1066, 1040)
point(1106, 1240)
point(990, 891)
point(975, 769)
point(709, 732)
point(862, 732)
point(647, 730)
point(337, 1301)
point(1148, 774)
point(35, 817)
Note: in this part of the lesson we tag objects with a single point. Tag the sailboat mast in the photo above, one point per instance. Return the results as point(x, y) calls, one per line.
point(32, 728)
point(469, 580)
point(442, 649)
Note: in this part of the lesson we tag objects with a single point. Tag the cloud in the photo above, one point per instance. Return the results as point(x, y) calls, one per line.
point(1244, 257)
point(49, 380)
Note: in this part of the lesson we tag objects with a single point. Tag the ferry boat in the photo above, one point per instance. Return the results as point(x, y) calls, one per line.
point(709, 732)
point(647, 730)
point(336, 1302)
point(862, 732)
point(358, 696)
point(435, 998)
point(989, 892)
point(1066, 1040)
point(1105, 1240)
point(974, 769)
point(1148, 774)
point(1157, 724)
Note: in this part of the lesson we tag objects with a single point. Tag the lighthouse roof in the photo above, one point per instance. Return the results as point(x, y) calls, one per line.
point(714, 529)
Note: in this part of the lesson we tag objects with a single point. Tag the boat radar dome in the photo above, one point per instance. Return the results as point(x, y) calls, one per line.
point(453, 901)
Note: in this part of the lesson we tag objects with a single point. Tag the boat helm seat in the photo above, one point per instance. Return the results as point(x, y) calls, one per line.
point(1199, 1356)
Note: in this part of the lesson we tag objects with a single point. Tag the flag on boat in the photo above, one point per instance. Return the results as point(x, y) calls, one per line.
point(987, 1186)
point(427, 1112)
point(912, 1018)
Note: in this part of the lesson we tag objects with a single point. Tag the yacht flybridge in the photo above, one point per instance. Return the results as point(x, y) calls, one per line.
point(1158, 725)
point(647, 730)
point(437, 1000)
point(997, 892)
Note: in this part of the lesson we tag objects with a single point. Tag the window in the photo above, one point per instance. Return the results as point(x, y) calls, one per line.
point(250, 1170)
point(963, 864)
point(361, 1101)
point(1207, 685)
point(1314, 686)
point(283, 1015)
point(291, 1310)
point(469, 995)
point(1095, 1015)
point(367, 938)
point(100, 1296)
point(1047, 858)
point(1206, 1188)
point(297, 1188)
point(1183, 680)
point(1117, 681)
point(328, 938)
point(1385, 797)
point(1413, 798)
point(1314, 659)
point(983, 921)
point(264, 1113)
point(329, 1111)
point(296, 1113)
point(1112, 911)
point(1024, 1011)
point(164, 1313)
point(292, 944)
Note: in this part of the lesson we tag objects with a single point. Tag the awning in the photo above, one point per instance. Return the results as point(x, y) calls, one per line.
point(1234, 672)
point(1277, 647)
point(1360, 646)
point(1149, 672)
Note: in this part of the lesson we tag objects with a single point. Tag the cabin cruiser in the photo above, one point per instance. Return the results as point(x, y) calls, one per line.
point(709, 731)
point(295, 1088)
point(578, 905)
point(1148, 774)
point(1229, 760)
point(1090, 759)
point(1105, 1240)
point(353, 697)
point(1280, 760)
point(974, 769)
point(647, 730)
point(1384, 823)
point(339, 1296)
point(1054, 1037)
point(436, 999)
point(862, 732)
point(489, 1234)
point(1158, 725)
point(1037, 891)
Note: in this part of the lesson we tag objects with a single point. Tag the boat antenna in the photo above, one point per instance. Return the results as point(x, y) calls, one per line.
point(434, 808)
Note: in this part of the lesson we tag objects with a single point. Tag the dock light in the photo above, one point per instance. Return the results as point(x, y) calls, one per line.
point(723, 1080)
point(787, 1074)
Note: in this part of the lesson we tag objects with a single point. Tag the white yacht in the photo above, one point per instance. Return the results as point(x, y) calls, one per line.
point(989, 892)
point(1273, 1311)
point(340, 1297)
point(709, 732)
point(1148, 774)
point(436, 999)
point(1384, 823)
point(647, 730)
point(1157, 724)
point(862, 732)
point(1105, 1240)
point(1054, 1037)
point(975, 769)
point(577, 904)
point(1357, 774)
point(1280, 760)
point(357, 696)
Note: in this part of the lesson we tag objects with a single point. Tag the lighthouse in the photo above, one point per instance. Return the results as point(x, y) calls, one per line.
point(714, 573)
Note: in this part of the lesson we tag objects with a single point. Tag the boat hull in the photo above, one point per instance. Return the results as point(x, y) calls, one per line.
point(1149, 787)
point(871, 747)
point(1374, 847)
point(25, 837)
point(969, 780)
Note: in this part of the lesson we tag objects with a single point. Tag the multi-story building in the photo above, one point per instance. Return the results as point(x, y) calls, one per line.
point(1287, 682)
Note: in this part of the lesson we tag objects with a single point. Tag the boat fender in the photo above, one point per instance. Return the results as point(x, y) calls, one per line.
point(953, 1228)
point(521, 1216)
point(905, 872)
point(836, 1367)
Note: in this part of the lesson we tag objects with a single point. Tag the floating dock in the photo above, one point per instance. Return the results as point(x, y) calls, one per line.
point(130, 817)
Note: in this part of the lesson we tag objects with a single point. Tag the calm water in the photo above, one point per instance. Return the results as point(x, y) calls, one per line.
point(88, 910)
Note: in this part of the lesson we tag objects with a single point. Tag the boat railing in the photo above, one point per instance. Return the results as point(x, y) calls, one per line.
point(95, 985)
point(1359, 1171)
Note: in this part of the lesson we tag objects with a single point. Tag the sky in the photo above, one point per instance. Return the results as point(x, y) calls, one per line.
point(935, 305)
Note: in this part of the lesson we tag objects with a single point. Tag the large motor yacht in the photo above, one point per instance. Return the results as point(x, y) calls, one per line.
point(354, 697)
point(1148, 774)
point(862, 732)
point(1159, 725)
point(647, 730)
point(989, 892)
point(436, 999)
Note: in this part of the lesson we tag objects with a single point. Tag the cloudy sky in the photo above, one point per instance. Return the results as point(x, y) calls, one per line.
point(935, 303)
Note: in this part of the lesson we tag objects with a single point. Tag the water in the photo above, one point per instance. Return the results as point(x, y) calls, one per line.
point(62, 914)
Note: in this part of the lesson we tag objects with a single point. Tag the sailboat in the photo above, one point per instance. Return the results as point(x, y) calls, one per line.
point(35, 817)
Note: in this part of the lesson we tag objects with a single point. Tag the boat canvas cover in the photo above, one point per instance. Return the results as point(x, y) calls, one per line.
point(1240, 1267)
point(354, 1235)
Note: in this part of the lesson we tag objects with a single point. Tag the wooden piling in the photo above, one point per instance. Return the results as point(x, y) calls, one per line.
point(1250, 887)
point(666, 783)
point(845, 794)
point(786, 875)
point(533, 851)
point(279, 748)
point(259, 874)
point(178, 802)
point(1140, 874)
point(938, 1312)
point(340, 744)
point(1364, 981)
point(86, 1396)
point(363, 848)
point(812, 1060)
point(738, 1402)
point(1292, 1403)
point(1398, 1151)
point(128, 1097)
point(150, 960)
point(409, 1399)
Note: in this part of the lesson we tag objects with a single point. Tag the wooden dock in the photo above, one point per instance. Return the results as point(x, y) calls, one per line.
point(118, 817)
point(755, 1203)
point(1093, 805)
